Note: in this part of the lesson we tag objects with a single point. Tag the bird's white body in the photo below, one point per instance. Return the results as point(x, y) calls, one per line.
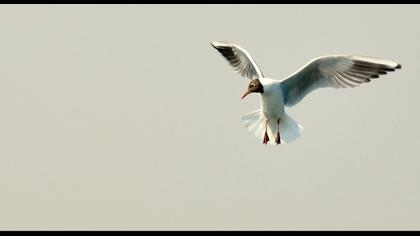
point(272, 104)
point(272, 115)
point(335, 71)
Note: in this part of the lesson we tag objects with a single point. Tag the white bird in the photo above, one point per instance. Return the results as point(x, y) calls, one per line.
point(271, 123)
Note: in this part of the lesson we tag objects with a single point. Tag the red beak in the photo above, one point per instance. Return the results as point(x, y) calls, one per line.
point(246, 93)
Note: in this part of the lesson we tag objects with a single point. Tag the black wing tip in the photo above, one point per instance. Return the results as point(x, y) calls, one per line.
point(221, 44)
point(213, 45)
point(398, 66)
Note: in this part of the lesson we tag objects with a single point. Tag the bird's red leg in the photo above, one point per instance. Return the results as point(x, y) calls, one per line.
point(278, 140)
point(266, 139)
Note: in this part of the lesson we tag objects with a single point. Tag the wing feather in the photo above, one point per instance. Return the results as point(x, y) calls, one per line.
point(239, 59)
point(337, 71)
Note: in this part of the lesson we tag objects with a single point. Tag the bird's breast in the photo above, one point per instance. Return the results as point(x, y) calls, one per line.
point(272, 103)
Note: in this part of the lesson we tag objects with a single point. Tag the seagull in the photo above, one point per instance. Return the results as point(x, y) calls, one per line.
point(270, 123)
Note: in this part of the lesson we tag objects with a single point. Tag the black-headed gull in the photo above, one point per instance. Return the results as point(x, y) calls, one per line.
point(271, 123)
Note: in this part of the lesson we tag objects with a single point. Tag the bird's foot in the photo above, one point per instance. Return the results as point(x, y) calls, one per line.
point(278, 140)
point(266, 139)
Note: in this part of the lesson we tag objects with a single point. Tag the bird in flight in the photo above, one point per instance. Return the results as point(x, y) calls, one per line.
point(271, 124)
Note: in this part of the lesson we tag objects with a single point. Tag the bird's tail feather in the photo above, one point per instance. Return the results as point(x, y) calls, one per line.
point(255, 122)
point(290, 130)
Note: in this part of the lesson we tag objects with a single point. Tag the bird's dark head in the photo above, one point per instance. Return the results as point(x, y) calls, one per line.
point(254, 86)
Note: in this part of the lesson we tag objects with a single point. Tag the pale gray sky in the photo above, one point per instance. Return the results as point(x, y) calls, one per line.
point(124, 117)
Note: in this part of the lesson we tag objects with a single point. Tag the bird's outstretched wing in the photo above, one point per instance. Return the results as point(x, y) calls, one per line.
point(335, 71)
point(239, 59)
